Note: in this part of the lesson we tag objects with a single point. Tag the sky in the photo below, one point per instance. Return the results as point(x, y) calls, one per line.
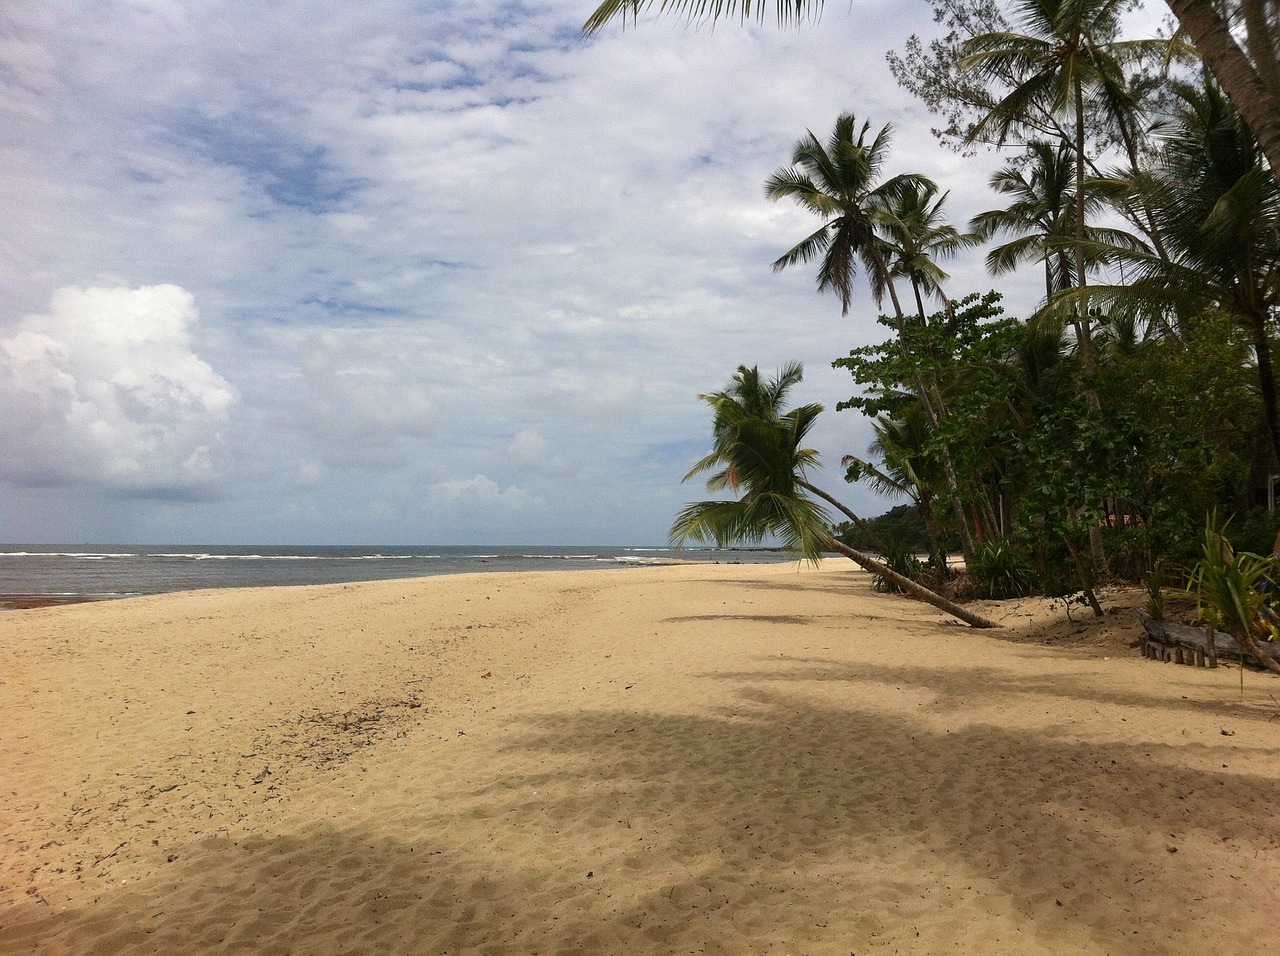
point(388, 272)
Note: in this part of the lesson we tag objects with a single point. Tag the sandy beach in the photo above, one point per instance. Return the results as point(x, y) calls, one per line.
point(688, 759)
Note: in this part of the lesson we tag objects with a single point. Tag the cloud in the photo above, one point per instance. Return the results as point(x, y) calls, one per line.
point(480, 494)
point(364, 397)
point(431, 243)
point(106, 390)
point(534, 455)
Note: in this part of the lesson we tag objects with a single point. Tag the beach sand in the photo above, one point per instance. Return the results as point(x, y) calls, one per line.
point(688, 759)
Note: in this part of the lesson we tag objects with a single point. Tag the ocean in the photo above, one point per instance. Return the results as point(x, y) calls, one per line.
point(38, 575)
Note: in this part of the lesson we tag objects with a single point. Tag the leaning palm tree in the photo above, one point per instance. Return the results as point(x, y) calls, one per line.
point(758, 455)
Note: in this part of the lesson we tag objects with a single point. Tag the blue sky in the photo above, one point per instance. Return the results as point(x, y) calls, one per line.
point(310, 272)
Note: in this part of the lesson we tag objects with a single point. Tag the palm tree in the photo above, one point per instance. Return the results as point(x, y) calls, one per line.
point(1069, 63)
point(758, 455)
point(840, 183)
point(1218, 203)
point(905, 469)
point(1243, 55)
point(917, 236)
point(1236, 42)
point(1040, 219)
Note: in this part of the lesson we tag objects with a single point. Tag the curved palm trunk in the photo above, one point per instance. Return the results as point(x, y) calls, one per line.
point(840, 506)
point(1250, 643)
point(868, 563)
point(1252, 87)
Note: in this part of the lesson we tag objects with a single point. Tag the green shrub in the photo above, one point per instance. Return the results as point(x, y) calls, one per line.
point(1155, 591)
point(1002, 570)
point(902, 559)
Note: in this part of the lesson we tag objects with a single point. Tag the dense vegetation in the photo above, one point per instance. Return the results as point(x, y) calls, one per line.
point(1088, 439)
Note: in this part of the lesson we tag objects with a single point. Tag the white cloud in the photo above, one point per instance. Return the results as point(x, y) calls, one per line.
point(105, 389)
point(362, 403)
point(480, 494)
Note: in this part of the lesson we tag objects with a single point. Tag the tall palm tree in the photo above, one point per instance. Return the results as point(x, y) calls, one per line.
point(1238, 44)
point(1040, 219)
point(839, 182)
point(1218, 204)
point(1070, 63)
point(1235, 40)
point(917, 235)
point(758, 454)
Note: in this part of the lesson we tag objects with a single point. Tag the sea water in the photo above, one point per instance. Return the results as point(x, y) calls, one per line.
point(44, 574)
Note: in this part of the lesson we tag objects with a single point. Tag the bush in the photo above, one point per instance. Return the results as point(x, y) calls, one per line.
point(1002, 570)
point(902, 559)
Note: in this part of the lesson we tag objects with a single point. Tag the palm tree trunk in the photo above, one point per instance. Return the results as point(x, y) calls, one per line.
point(1084, 336)
point(861, 525)
point(1250, 643)
point(930, 412)
point(868, 563)
point(1266, 379)
point(1251, 88)
point(915, 287)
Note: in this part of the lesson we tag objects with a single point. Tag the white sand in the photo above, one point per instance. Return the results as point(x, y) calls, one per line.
point(692, 759)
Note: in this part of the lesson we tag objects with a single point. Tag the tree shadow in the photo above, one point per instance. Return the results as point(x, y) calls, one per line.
point(757, 618)
point(327, 889)
point(773, 800)
point(780, 823)
point(952, 686)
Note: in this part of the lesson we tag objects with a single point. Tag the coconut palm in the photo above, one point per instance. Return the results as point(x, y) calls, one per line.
point(1040, 219)
point(758, 455)
point(1238, 44)
point(918, 237)
point(1218, 203)
point(1069, 64)
point(839, 182)
point(1235, 40)
point(905, 469)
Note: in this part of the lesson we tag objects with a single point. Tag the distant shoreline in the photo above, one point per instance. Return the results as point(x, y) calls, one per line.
point(50, 575)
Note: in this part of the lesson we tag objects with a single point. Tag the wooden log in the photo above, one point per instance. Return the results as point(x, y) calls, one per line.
point(1168, 635)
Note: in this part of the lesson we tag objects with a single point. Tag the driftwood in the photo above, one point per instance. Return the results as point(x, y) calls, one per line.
point(1167, 641)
